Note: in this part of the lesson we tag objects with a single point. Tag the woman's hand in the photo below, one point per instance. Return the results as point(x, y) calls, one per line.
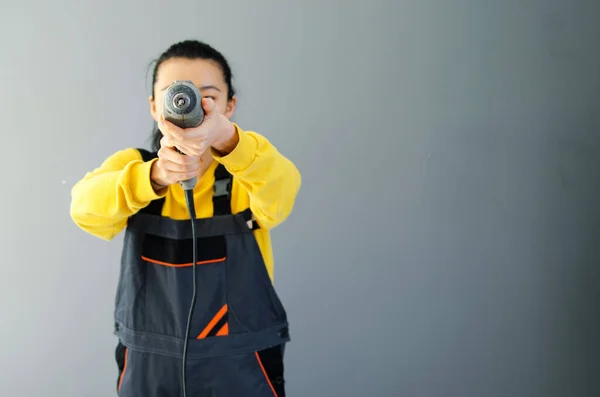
point(215, 131)
point(171, 166)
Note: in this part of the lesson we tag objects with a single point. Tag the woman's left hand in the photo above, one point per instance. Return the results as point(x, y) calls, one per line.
point(215, 131)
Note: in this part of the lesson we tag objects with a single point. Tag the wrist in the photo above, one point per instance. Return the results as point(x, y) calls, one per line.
point(157, 183)
point(229, 138)
point(158, 189)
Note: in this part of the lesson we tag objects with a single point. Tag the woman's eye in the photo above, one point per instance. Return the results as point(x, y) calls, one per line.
point(211, 97)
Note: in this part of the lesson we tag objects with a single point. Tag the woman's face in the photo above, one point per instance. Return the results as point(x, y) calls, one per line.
point(205, 74)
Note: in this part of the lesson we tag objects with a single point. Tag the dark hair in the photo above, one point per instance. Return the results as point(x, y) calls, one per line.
point(190, 49)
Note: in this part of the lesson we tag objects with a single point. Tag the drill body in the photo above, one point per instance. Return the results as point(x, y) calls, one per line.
point(182, 106)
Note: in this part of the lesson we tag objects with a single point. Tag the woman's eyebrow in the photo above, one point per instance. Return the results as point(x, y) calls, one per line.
point(204, 87)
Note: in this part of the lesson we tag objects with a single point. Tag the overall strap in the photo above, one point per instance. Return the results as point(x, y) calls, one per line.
point(146, 155)
point(222, 191)
point(155, 206)
point(222, 196)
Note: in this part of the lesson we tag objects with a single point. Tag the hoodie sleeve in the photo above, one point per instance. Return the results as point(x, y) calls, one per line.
point(271, 180)
point(103, 200)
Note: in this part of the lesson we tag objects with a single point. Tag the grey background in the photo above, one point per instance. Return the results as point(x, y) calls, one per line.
point(445, 240)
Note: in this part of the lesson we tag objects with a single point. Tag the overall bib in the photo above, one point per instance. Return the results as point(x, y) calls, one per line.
point(239, 326)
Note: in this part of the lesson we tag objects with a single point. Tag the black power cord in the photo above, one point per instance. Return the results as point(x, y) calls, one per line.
point(189, 198)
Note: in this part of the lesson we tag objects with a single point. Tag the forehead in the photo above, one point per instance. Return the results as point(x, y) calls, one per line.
point(199, 71)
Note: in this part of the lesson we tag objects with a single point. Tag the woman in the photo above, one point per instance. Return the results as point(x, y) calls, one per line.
point(230, 342)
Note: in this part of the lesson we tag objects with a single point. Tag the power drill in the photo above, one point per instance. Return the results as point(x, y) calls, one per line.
point(182, 106)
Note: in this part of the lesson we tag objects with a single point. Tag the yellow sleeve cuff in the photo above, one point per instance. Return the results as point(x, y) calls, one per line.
point(242, 156)
point(141, 187)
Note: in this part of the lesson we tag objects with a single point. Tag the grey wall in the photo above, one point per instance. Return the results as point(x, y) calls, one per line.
point(444, 243)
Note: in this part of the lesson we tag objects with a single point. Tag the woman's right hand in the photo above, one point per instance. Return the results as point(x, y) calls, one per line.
point(172, 167)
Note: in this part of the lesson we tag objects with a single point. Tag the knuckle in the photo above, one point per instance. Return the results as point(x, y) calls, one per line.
point(180, 158)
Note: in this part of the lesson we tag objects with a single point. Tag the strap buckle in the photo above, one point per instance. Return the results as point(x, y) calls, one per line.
point(222, 188)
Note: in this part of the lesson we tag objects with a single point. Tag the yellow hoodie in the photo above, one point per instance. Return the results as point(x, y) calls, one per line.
point(263, 180)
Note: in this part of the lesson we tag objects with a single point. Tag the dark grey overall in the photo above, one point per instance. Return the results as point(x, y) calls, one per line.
point(239, 326)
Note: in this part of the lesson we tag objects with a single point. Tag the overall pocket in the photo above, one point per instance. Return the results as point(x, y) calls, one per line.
point(121, 359)
point(169, 283)
point(146, 374)
point(250, 374)
point(270, 362)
